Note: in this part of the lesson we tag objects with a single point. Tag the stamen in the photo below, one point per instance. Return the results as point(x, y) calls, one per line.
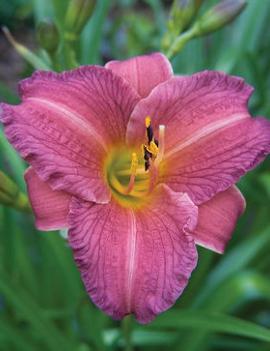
point(147, 121)
point(142, 180)
point(149, 129)
point(134, 163)
point(133, 171)
point(117, 185)
point(126, 172)
point(153, 148)
point(161, 144)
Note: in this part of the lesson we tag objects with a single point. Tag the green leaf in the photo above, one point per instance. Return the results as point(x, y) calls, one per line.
point(245, 36)
point(212, 322)
point(16, 163)
point(23, 303)
point(15, 336)
point(92, 35)
point(33, 59)
point(235, 260)
point(7, 94)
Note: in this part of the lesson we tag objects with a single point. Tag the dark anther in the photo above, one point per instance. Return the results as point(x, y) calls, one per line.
point(147, 154)
point(150, 133)
point(146, 165)
point(147, 157)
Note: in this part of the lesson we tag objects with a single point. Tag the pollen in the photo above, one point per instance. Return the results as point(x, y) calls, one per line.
point(147, 121)
point(153, 149)
point(132, 175)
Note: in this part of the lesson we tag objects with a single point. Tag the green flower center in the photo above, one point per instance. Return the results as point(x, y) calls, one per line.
point(129, 187)
point(132, 175)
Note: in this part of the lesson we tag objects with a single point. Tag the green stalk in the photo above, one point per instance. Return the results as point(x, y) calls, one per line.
point(180, 42)
point(70, 52)
point(127, 332)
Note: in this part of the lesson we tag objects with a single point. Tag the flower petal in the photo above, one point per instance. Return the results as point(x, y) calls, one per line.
point(143, 72)
point(65, 124)
point(210, 139)
point(217, 219)
point(216, 162)
point(135, 261)
point(50, 207)
point(187, 104)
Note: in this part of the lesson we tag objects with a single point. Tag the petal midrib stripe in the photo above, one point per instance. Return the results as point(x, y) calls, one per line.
point(207, 130)
point(72, 116)
point(131, 254)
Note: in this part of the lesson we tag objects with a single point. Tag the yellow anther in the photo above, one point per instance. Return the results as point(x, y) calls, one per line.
point(134, 163)
point(153, 148)
point(147, 122)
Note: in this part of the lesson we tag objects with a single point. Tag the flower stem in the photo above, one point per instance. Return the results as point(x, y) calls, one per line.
point(70, 54)
point(179, 43)
point(127, 332)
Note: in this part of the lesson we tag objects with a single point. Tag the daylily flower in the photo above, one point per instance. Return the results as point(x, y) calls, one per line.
point(140, 166)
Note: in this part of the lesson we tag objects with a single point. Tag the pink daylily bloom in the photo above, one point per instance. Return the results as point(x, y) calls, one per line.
point(140, 166)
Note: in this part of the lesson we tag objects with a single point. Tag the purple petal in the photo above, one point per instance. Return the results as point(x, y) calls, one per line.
point(210, 139)
point(65, 124)
point(143, 72)
point(50, 207)
point(135, 261)
point(216, 162)
point(217, 219)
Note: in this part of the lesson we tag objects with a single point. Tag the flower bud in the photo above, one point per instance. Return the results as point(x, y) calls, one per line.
point(183, 11)
point(181, 15)
point(10, 194)
point(78, 13)
point(219, 15)
point(7, 186)
point(48, 36)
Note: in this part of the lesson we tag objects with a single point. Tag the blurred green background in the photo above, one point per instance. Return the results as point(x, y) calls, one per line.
point(43, 305)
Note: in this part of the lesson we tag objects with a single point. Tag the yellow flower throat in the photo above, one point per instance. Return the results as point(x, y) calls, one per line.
point(131, 175)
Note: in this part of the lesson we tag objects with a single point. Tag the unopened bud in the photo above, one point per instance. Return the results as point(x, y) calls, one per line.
point(7, 186)
point(183, 11)
point(48, 36)
point(220, 15)
point(181, 15)
point(78, 13)
point(10, 194)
